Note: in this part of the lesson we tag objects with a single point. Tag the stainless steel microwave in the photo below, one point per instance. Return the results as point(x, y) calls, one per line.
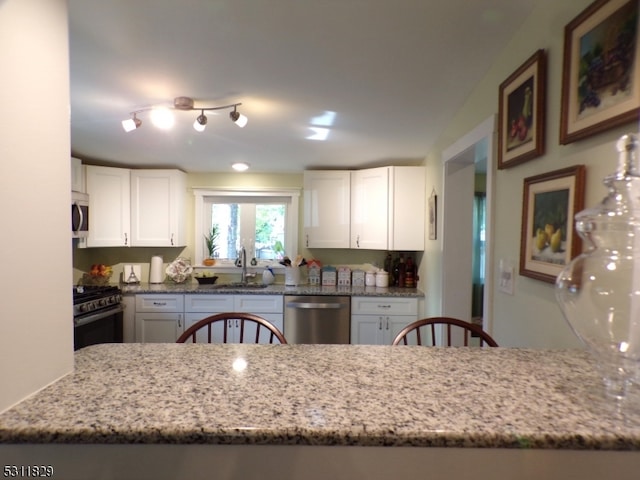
point(79, 215)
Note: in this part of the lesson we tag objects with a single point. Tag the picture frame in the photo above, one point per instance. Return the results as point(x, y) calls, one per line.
point(433, 216)
point(548, 239)
point(522, 111)
point(601, 70)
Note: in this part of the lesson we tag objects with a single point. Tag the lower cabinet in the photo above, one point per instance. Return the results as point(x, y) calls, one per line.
point(269, 307)
point(159, 318)
point(377, 320)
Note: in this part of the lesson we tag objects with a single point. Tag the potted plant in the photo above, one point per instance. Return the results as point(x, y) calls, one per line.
point(211, 242)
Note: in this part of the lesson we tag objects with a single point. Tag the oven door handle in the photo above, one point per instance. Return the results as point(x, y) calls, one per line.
point(77, 322)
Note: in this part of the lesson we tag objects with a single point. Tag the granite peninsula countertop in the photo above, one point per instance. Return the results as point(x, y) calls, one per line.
point(324, 395)
point(276, 289)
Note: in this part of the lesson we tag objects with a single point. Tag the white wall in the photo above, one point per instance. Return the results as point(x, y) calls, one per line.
point(531, 316)
point(36, 332)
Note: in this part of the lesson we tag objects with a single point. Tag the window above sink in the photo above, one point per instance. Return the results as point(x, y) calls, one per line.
point(263, 220)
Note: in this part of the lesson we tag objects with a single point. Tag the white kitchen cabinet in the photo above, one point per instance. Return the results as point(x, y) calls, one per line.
point(327, 213)
point(269, 307)
point(377, 320)
point(109, 206)
point(159, 318)
point(388, 208)
point(157, 208)
point(370, 208)
point(138, 208)
point(407, 208)
point(129, 318)
point(77, 176)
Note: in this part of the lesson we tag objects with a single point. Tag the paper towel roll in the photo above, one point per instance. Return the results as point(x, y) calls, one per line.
point(156, 274)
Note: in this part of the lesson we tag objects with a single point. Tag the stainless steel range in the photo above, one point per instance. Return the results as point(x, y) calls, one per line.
point(97, 315)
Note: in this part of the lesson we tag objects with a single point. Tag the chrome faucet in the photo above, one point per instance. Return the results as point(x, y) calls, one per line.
point(244, 265)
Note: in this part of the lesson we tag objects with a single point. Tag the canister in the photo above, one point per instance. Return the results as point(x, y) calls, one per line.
point(370, 279)
point(382, 279)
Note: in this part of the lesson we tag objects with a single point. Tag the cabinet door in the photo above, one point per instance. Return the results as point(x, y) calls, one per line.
point(407, 210)
point(77, 176)
point(394, 324)
point(158, 327)
point(367, 329)
point(370, 208)
point(109, 218)
point(327, 202)
point(157, 208)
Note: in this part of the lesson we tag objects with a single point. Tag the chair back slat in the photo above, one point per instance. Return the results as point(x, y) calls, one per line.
point(450, 325)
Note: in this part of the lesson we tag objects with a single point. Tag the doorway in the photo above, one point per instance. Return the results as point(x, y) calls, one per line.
point(463, 161)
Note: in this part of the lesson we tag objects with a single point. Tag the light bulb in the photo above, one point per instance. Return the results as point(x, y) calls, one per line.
point(200, 123)
point(162, 118)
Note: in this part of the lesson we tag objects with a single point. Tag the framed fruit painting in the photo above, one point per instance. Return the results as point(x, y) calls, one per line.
point(548, 240)
point(521, 112)
point(601, 70)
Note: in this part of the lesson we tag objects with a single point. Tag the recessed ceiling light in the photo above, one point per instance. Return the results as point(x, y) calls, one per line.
point(240, 166)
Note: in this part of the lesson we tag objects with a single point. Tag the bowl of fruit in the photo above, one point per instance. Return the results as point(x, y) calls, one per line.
point(206, 279)
point(100, 274)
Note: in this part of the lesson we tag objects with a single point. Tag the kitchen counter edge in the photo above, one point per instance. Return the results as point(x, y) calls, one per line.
point(190, 288)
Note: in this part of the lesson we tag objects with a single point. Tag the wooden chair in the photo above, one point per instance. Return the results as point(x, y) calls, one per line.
point(249, 329)
point(427, 328)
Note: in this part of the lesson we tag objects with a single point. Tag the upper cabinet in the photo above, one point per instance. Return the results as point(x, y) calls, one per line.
point(77, 176)
point(109, 207)
point(376, 208)
point(327, 208)
point(370, 208)
point(388, 208)
point(407, 208)
point(157, 206)
point(138, 208)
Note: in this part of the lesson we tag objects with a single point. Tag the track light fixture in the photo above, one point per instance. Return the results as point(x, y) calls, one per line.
point(183, 103)
point(238, 118)
point(201, 122)
point(131, 123)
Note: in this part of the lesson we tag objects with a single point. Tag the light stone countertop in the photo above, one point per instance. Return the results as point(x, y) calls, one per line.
point(276, 289)
point(325, 395)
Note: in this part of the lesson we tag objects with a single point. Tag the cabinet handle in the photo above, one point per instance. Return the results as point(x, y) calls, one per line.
point(384, 306)
point(126, 240)
point(160, 304)
point(307, 240)
point(180, 321)
point(172, 239)
point(358, 241)
point(380, 323)
point(387, 323)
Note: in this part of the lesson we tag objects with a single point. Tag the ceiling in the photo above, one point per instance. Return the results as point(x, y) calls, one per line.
point(383, 77)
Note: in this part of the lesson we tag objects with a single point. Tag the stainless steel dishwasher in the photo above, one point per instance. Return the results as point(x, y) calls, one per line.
point(317, 318)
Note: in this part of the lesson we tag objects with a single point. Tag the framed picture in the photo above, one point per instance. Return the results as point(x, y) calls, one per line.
point(548, 240)
point(601, 70)
point(433, 216)
point(521, 113)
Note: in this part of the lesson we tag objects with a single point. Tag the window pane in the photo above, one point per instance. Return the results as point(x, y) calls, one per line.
point(269, 231)
point(260, 227)
point(227, 217)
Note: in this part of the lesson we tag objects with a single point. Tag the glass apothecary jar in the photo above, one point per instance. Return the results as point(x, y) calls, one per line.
point(599, 291)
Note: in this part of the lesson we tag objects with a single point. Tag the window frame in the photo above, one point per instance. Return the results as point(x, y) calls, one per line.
point(291, 226)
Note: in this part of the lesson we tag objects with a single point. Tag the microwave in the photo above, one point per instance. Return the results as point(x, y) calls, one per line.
point(79, 215)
